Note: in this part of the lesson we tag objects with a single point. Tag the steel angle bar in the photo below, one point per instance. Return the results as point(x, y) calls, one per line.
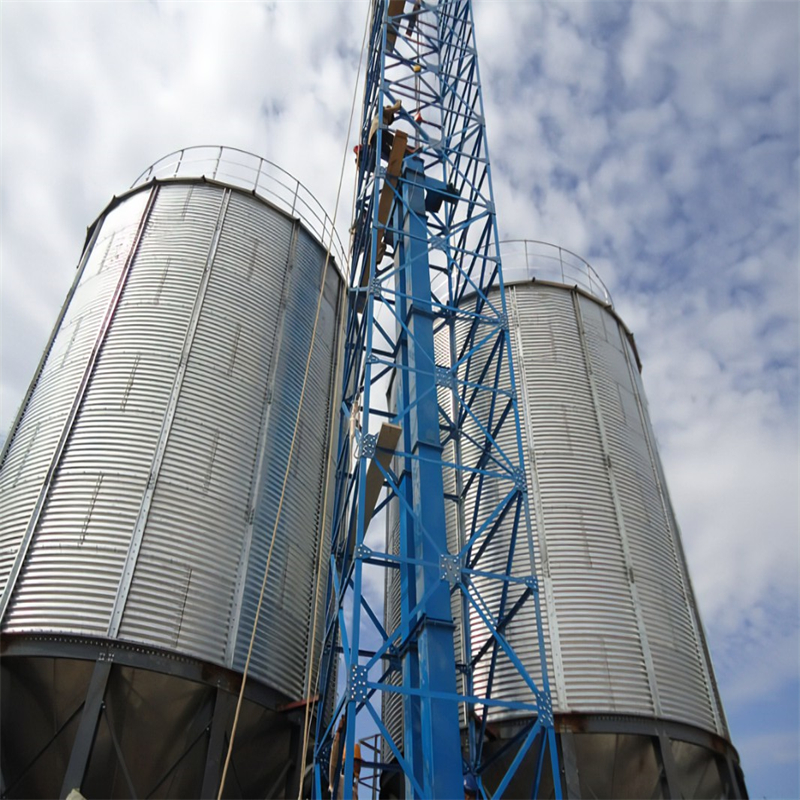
point(465, 411)
point(466, 279)
point(404, 502)
point(502, 620)
point(410, 337)
point(509, 745)
point(502, 641)
point(493, 446)
point(405, 631)
point(477, 596)
point(494, 519)
point(534, 732)
point(390, 340)
point(414, 457)
point(193, 740)
point(371, 614)
point(469, 349)
point(328, 730)
point(389, 367)
point(9, 790)
point(480, 471)
point(496, 576)
point(467, 354)
point(386, 500)
point(510, 705)
point(391, 559)
point(87, 728)
point(467, 384)
point(475, 557)
point(481, 291)
point(448, 311)
point(406, 767)
point(490, 441)
point(106, 713)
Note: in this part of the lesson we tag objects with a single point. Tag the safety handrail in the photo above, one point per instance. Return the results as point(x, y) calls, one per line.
point(532, 258)
point(247, 171)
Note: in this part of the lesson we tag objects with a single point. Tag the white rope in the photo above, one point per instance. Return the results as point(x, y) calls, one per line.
point(310, 693)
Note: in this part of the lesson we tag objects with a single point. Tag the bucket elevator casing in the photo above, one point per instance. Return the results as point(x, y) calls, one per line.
point(636, 705)
point(140, 484)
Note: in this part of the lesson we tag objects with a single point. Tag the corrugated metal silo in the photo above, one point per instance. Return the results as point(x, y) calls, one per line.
point(636, 704)
point(634, 693)
point(140, 484)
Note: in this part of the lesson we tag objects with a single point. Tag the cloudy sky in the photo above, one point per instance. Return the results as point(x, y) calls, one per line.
point(658, 140)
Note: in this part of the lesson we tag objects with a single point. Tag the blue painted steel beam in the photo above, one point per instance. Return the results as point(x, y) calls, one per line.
point(439, 732)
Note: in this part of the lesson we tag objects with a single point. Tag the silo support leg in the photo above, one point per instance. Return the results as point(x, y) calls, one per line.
point(87, 729)
point(569, 759)
point(733, 779)
point(668, 766)
point(293, 776)
point(212, 772)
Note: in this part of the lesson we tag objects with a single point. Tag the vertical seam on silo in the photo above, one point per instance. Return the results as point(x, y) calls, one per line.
point(131, 379)
point(77, 401)
point(68, 349)
point(92, 504)
point(623, 534)
point(27, 453)
point(336, 363)
point(162, 282)
point(256, 486)
point(56, 328)
point(550, 603)
point(704, 655)
point(126, 577)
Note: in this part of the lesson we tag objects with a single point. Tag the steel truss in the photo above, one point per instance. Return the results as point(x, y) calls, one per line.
point(446, 449)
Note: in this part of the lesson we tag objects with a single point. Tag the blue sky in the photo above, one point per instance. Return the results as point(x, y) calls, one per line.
point(657, 140)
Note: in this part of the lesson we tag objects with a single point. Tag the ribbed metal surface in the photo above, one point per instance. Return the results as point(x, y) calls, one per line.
point(619, 620)
point(620, 624)
point(30, 456)
point(158, 493)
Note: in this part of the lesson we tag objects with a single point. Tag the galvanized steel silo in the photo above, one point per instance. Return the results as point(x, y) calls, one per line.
point(141, 480)
point(634, 693)
point(636, 704)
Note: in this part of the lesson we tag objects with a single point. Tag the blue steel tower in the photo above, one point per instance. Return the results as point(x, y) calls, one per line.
point(447, 448)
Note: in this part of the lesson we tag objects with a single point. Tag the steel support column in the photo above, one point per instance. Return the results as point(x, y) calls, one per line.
point(408, 583)
point(426, 532)
point(220, 716)
point(87, 729)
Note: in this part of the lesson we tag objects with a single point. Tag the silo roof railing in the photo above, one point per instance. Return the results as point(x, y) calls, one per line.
point(252, 173)
point(525, 259)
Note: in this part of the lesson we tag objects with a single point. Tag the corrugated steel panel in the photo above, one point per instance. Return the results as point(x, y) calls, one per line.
point(620, 625)
point(286, 614)
point(155, 525)
point(42, 425)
